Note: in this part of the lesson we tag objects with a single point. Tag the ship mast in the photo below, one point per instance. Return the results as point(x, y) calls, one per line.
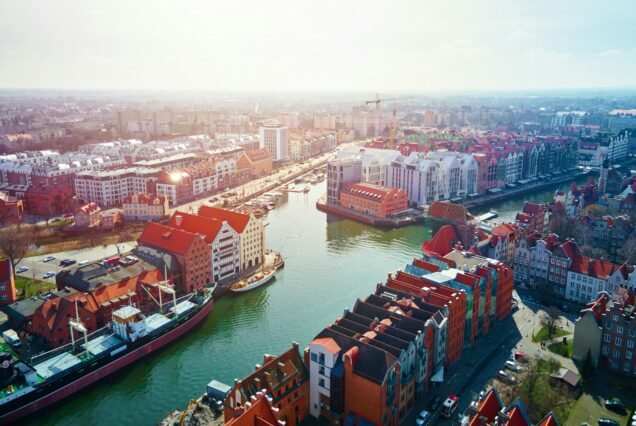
point(78, 326)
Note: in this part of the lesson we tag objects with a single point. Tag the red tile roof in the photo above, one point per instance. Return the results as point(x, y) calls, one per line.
point(369, 191)
point(596, 268)
point(443, 241)
point(449, 211)
point(548, 420)
point(505, 229)
point(236, 220)
point(533, 209)
point(194, 224)
point(145, 198)
point(258, 154)
point(488, 408)
point(166, 238)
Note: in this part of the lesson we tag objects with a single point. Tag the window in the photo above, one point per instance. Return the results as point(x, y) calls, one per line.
point(321, 358)
point(617, 353)
point(321, 383)
point(321, 370)
point(619, 329)
point(605, 350)
point(626, 366)
point(608, 325)
point(618, 341)
point(632, 333)
point(607, 338)
point(630, 344)
point(628, 355)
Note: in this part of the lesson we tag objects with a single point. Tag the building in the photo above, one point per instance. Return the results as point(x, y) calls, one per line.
point(258, 411)
point(284, 379)
point(110, 187)
point(489, 410)
point(588, 333)
point(506, 234)
point(351, 380)
point(257, 161)
point(142, 206)
point(7, 282)
point(250, 230)
point(434, 176)
point(87, 216)
point(274, 139)
point(190, 250)
point(50, 320)
point(218, 234)
point(11, 209)
point(339, 173)
point(619, 337)
point(533, 218)
point(377, 201)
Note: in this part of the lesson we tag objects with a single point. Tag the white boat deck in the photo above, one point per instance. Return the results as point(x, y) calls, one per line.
point(56, 365)
point(103, 344)
point(183, 307)
point(155, 322)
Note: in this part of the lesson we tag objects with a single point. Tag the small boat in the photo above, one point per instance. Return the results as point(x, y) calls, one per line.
point(251, 283)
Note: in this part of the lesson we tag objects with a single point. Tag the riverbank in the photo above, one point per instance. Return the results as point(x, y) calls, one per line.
point(507, 194)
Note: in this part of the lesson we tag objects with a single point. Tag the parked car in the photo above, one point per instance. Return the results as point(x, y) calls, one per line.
point(48, 258)
point(506, 377)
point(435, 403)
point(48, 275)
point(423, 418)
point(67, 262)
point(510, 365)
point(615, 405)
point(21, 269)
point(84, 262)
point(607, 422)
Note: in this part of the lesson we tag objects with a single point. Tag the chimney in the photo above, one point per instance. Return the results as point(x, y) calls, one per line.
point(178, 220)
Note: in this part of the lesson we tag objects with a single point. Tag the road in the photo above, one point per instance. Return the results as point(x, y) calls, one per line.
point(37, 267)
point(480, 364)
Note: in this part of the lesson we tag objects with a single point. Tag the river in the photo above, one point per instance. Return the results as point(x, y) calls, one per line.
point(327, 266)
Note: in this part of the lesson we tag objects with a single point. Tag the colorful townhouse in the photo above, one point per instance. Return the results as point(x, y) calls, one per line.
point(282, 380)
point(223, 240)
point(189, 249)
point(250, 230)
point(352, 381)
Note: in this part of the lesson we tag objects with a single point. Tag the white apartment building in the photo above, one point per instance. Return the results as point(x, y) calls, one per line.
point(145, 207)
point(435, 176)
point(226, 253)
point(339, 172)
point(110, 187)
point(275, 140)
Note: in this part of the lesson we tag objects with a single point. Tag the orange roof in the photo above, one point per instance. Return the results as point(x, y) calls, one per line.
point(258, 154)
point(516, 418)
point(236, 220)
point(548, 420)
point(369, 190)
point(201, 225)
point(259, 412)
point(505, 229)
point(448, 211)
point(443, 241)
point(596, 268)
point(488, 407)
point(166, 238)
point(329, 344)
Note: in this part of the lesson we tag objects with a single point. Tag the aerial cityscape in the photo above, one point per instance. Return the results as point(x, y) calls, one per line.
point(354, 213)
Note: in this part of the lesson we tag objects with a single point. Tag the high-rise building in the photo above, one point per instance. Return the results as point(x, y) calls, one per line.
point(274, 138)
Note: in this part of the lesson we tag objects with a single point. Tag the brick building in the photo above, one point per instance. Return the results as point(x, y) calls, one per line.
point(618, 344)
point(87, 216)
point(11, 209)
point(7, 282)
point(284, 379)
point(190, 250)
point(257, 161)
point(375, 200)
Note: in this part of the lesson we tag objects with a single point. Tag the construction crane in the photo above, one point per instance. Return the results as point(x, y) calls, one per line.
point(377, 101)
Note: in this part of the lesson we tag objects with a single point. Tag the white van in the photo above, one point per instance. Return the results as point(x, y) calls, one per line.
point(11, 337)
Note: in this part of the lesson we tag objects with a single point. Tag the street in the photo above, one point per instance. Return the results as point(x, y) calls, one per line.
point(480, 364)
point(37, 267)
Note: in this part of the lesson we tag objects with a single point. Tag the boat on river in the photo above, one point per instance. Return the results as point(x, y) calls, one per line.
point(253, 282)
point(28, 386)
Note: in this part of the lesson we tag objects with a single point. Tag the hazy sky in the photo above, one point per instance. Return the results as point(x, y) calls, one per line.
point(318, 45)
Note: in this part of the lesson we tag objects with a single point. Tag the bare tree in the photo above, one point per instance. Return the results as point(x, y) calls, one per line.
point(14, 243)
point(628, 250)
point(551, 318)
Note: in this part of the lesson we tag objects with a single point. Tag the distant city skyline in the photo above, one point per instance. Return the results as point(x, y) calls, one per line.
point(331, 46)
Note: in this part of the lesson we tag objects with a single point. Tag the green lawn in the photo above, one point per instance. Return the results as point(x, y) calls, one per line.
point(589, 409)
point(542, 334)
point(28, 287)
point(560, 349)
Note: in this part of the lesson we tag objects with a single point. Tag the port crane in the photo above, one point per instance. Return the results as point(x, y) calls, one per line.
point(393, 128)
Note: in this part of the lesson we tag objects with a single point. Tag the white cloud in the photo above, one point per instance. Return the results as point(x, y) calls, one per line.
point(544, 54)
point(521, 35)
point(610, 52)
point(459, 48)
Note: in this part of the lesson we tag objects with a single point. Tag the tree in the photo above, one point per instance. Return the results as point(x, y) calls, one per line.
point(14, 243)
point(594, 252)
point(551, 319)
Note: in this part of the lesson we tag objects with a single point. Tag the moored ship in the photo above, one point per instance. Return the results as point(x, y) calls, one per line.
point(29, 386)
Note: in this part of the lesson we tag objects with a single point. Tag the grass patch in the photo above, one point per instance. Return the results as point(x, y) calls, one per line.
point(560, 349)
point(542, 334)
point(589, 409)
point(28, 287)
